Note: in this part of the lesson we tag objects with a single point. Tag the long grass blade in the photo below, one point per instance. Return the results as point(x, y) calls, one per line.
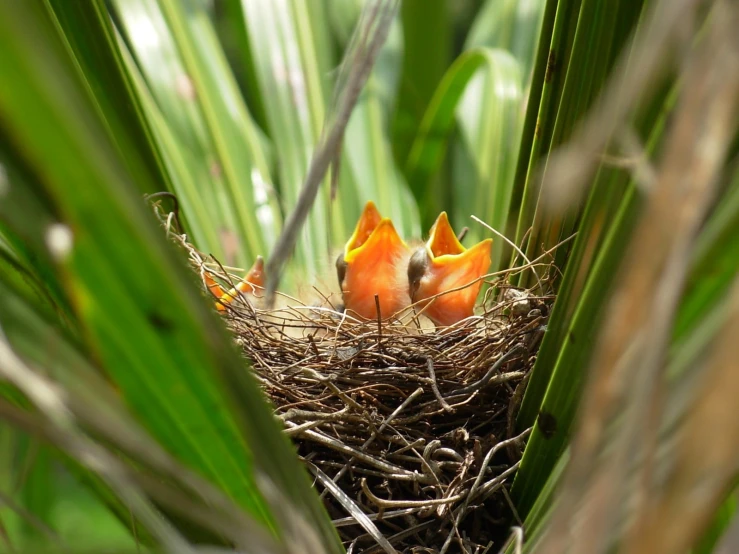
point(489, 117)
point(511, 25)
point(135, 300)
point(429, 145)
point(586, 39)
point(217, 142)
point(628, 369)
point(427, 52)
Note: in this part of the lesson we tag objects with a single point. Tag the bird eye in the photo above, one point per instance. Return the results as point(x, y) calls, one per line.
point(416, 268)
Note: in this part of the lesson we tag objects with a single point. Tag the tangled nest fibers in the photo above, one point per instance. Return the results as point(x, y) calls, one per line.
point(409, 433)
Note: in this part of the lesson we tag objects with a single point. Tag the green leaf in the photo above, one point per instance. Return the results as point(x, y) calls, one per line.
point(490, 116)
point(567, 361)
point(427, 51)
point(612, 201)
point(586, 39)
point(512, 25)
point(555, 387)
point(23, 253)
point(87, 31)
point(135, 299)
point(722, 520)
point(210, 144)
point(715, 266)
point(44, 487)
point(374, 174)
point(697, 322)
point(426, 153)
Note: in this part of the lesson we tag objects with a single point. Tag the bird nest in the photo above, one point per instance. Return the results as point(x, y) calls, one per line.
point(408, 431)
point(412, 430)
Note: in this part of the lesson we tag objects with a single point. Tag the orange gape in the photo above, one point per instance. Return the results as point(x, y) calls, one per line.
point(443, 264)
point(248, 286)
point(373, 263)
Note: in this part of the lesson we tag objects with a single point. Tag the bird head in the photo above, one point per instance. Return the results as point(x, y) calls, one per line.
point(372, 264)
point(442, 265)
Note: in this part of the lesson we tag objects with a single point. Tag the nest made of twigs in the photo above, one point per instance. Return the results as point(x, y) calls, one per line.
point(409, 426)
point(415, 428)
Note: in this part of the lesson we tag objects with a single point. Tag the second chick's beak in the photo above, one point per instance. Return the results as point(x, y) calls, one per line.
point(248, 286)
point(372, 264)
point(443, 264)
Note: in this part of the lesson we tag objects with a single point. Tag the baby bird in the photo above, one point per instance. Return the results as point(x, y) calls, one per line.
point(374, 262)
point(250, 286)
point(443, 264)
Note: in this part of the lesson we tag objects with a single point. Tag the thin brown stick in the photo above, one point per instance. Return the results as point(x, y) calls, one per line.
point(478, 482)
point(435, 386)
point(379, 322)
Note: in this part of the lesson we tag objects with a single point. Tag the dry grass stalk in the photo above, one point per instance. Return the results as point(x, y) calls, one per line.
point(627, 383)
point(704, 469)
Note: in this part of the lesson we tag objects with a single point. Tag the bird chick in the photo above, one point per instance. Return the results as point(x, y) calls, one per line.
point(441, 265)
point(251, 286)
point(373, 263)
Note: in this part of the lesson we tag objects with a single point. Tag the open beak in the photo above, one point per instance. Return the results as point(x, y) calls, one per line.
point(372, 265)
point(442, 265)
point(213, 286)
point(249, 285)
